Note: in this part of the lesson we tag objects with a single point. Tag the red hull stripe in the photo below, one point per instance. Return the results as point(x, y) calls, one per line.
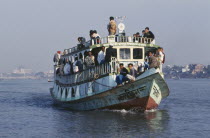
point(145, 103)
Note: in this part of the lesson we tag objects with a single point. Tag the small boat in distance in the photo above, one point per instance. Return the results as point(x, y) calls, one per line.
point(49, 80)
point(95, 87)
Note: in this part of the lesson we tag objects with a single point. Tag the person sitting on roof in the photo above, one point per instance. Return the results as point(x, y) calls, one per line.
point(149, 34)
point(96, 37)
point(90, 60)
point(81, 41)
point(142, 36)
point(132, 74)
point(143, 33)
point(112, 26)
point(101, 56)
point(136, 37)
point(122, 76)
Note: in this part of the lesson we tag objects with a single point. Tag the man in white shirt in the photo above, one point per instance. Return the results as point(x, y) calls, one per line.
point(160, 58)
point(101, 56)
point(67, 68)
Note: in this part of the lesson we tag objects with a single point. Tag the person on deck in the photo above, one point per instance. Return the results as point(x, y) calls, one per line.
point(143, 33)
point(57, 57)
point(132, 74)
point(164, 56)
point(67, 68)
point(153, 62)
point(96, 37)
point(109, 54)
point(136, 37)
point(101, 56)
point(112, 26)
point(90, 60)
point(160, 57)
point(149, 34)
point(122, 76)
point(80, 63)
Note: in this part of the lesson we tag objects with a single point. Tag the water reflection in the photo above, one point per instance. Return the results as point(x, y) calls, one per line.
point(111, 123)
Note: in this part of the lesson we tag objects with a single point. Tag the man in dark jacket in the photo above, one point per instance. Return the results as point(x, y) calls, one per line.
point(149, 34)
point(122, 76)
point(109, 54)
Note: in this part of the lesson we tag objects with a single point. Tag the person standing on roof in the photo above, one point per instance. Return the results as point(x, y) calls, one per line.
point(101, 56)
point(149, 34)
point(112, 26)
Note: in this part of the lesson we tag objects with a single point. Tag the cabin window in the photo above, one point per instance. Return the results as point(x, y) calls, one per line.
point(125, 53)
point(137, 53)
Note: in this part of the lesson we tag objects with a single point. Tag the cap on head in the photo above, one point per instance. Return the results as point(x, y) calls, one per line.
point(58, 52)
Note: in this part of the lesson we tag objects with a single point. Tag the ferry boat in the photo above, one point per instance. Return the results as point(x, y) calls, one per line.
point(95, 88)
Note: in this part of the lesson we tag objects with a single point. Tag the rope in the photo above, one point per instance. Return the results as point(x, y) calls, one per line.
point(104, 85)
point(96, 76)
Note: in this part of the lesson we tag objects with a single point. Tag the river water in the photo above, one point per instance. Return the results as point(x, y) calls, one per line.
point(27, 110)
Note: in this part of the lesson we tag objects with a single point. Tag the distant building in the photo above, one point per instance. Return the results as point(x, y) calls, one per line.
point(198, 68)
point(22, 71)
point(186, 68)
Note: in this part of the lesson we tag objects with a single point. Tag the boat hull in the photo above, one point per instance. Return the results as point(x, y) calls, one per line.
point(145, 93)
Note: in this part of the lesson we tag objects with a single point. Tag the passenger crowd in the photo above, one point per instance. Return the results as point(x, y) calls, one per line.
point(80, 62)
point(112, 30)
point(152, 60)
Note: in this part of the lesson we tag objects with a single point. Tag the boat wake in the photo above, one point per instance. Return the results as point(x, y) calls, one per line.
point(131, 111)
point(123, 111)
point(150, 111)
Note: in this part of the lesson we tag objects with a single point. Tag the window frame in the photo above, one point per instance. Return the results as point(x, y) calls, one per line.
point(142, 56)
point(130, 53)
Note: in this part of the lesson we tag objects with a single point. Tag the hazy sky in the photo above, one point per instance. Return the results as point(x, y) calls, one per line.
point(32, 30)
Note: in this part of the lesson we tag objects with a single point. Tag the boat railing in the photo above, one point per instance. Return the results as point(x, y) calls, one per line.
point(113, 39)
point(88, 74)
point(109, 40)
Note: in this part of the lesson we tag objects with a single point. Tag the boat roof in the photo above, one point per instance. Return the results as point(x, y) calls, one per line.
point(106, 41)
